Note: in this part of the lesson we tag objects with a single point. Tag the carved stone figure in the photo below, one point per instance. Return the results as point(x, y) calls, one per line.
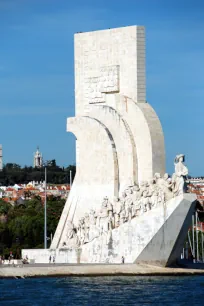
point(136, 201)
point(155, 198)
point(111, 221)
point(173, 184)
point(152, 187)
point(181, 171)
point(81, 233)
point(143, 187)
point(135, 192)
point(145, 201)
point(122, 217)
point(161, 197)
point(71, 236)
point(92, 217)
point(103, 216)
point(167, 187)
point(93, 230)
point(117, 208)
point(87, 226)
point(123, 198)
point(158, 180)
point(110, 216)
point(128, 204)
point(70, 230)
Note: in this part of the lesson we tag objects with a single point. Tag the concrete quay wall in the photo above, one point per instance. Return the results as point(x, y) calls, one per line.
point(53, 270)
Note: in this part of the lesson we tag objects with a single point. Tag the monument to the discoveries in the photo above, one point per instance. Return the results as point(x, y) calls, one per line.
point(119, 137)
point(122, 204)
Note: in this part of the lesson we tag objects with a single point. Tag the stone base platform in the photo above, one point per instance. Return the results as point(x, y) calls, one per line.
point(52, 270)
point(154, 238)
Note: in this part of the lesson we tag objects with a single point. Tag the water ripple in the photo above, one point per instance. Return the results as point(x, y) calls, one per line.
point(102, 291)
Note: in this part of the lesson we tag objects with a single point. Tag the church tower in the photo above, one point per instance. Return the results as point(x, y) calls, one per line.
point(38, 159)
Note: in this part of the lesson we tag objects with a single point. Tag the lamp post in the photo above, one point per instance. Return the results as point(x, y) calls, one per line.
point(45, 211)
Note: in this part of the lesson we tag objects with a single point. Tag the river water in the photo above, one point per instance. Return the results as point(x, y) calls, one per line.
point(140, 290)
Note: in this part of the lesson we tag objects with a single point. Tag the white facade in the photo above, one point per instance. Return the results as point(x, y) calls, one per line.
point(38, 159)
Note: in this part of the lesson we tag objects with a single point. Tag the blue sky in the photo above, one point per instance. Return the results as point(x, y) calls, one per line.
point(37, 80)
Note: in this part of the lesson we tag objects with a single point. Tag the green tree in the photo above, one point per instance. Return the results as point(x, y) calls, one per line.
point(4, 207)
point(13, 174)
point(12, 166)
point(25, 224)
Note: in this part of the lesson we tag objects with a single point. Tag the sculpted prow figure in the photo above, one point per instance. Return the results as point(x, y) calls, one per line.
point(179, 177)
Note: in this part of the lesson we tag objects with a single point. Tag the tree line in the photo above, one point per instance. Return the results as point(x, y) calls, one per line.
point(22, 226)
point(15, 174)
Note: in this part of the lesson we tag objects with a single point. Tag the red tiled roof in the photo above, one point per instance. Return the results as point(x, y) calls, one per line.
point(9, 189)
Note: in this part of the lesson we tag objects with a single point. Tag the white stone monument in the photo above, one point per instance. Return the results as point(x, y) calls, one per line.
point(122, 204)
point(119, 136)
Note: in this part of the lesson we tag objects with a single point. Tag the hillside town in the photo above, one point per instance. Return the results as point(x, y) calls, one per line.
point(19, 193)
point(196, 185)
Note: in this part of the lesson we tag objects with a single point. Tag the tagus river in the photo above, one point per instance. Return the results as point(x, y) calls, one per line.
point(103, 291)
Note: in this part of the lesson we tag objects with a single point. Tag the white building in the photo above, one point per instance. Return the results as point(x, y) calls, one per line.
point(38, 159)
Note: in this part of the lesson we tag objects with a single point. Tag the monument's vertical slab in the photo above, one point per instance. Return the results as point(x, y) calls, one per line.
point(109, 61)
point(141, 76)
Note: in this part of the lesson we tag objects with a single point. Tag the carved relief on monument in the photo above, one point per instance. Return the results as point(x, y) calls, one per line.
point(134, 201)
point(109, 79)
point(92, 91)
point(106, 82)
